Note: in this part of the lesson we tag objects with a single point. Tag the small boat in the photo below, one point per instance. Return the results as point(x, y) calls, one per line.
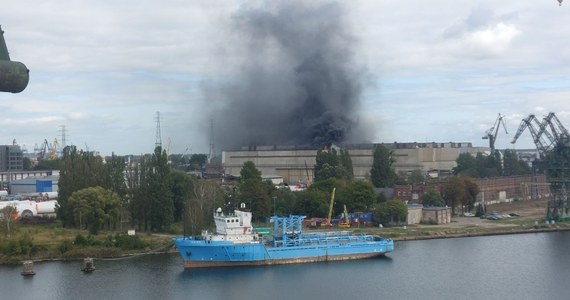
point(88, 265)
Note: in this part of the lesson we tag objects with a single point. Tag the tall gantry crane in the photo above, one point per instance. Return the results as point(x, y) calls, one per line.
point(491, 134)
point(552, 141)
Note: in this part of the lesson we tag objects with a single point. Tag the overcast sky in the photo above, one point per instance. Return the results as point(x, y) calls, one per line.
point(439, 70)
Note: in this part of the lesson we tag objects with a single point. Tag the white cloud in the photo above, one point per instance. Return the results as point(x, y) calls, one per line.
point(495, 39)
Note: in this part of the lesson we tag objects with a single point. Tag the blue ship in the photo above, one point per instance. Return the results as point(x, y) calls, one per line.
point(236, 243)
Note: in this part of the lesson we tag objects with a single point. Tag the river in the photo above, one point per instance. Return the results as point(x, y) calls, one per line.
point(521, 266)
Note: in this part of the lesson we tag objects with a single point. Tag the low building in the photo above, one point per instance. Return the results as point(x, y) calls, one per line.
point(30, 185)
point(436, 215)
point(415, 214)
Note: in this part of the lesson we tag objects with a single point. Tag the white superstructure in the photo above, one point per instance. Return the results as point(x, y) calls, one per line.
point(234, 227)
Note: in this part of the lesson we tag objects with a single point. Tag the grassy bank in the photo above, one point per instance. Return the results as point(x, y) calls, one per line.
point(412, 233)
point(50, 242)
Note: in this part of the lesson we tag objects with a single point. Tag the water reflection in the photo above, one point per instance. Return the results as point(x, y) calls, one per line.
point(508, 267)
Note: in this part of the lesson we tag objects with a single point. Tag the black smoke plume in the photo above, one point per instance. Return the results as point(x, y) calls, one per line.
point(297, 79)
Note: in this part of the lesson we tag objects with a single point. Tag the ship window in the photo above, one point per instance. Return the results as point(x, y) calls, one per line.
point(227, 221)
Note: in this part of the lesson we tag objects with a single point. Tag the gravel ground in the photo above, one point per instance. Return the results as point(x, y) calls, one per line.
point(530, 210)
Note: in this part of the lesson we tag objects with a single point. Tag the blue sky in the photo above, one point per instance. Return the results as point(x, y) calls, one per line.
point(436, 70)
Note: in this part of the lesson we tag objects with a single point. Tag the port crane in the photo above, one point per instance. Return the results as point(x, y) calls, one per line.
point(345, 223)
point(552, 141)
point(327, 222)
point(491, 134)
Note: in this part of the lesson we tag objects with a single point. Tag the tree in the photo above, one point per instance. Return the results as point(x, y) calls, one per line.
point(330, 165)
point(252, 191)
point(285, 201)
point(382, 174)
point(197, 161)
point(416, 177)
point(27, 163)
point(358, 195)
point(207, 195)
point(465, 164)
point(432, 198)
point(182, 187)
point(346, 163)
point(479, 166)
point(6, 218)
point(488, 166)
point(78, 170)
point(249, 171)
point(254, 194)
point(471, 192)
point(460, 190)
point(391, 211)
point(161, 213)
point(312, 203)
point(137, 191)
point(95, 208)
point(512, 165)
point(149, 189)
point(113, 178)
point(48, 164)
point(453, 192)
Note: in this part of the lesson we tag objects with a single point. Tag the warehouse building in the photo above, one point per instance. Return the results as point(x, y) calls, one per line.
point(32, 185)
point(296, 163)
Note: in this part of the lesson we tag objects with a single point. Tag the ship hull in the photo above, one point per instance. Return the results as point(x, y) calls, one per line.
point(203, 254)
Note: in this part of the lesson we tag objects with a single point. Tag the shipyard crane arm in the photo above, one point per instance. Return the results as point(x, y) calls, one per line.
point(547, 143)
point(43, 150)
point(491, 134)
point(329, 216)
point(562, 135)
point(345, 223)
point(544, 139)
point(522, 127)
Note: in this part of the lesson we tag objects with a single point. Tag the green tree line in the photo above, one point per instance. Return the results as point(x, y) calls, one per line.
point(148, 195)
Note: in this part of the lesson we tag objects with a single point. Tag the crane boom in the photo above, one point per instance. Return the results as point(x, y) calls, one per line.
point(491, 134)
point(346, 222)
point(546, 134)
point(329, 216)
point(553, 143)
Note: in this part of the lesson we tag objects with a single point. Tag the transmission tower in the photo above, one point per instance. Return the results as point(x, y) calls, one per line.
point(63, 136)
point(212, 149)
point(158, 142)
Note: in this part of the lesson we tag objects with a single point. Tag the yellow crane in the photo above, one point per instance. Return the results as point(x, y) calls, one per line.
point(53, 150)
point(327, 222)
point(345, 223)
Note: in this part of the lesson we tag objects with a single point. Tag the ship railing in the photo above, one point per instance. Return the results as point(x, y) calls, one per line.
point(323, 239)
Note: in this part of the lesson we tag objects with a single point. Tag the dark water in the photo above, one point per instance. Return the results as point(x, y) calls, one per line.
point(525, 266)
